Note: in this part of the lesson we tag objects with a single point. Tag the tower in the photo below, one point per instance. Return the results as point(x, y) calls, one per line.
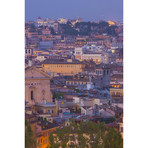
point(78, 53)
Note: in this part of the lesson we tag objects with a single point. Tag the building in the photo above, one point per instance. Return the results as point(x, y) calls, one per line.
point(32, 42)
point(28, 52)
point(32, 121)
point(79, 42)
point(81, 55)
point(46, 45)
point(41, 58)
point(45, 109)
point(116, 91)
point(43, 131)
point(97, 55)
point(103, 70)
point(37, 86)
point(62, 68)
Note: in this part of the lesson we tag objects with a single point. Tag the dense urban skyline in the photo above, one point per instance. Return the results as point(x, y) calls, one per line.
point(88, 10)
point(74, 73)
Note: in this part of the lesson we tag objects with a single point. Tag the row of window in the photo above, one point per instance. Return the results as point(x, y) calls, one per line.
point(117, 94)
point(40, 141)
point(89, 58)
point(102, 72)
point(28, 51)
point(116, 86)
point(31, 84)
point(76, 83)
point(66, 66)
point(78, 52)
point(40, 111)
point(98, 71)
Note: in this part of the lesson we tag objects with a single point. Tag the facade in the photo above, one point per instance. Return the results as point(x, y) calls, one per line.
point(28, 52)
point(98, 57)
point(41, 58)
point(104, 72)
point(45, 109)
point(46, 44)
point(80, 55)
point(50, 23)
point(79, 42)
point(43, 137)
point(63, 68)
point(116, 91)
point(37, 86)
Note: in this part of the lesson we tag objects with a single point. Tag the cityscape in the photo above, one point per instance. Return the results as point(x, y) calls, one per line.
point(73, 83)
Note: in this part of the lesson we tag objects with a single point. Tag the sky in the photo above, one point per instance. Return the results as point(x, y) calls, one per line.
point(88, 10)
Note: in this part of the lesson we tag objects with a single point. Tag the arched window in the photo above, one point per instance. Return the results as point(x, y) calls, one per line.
point(32, 95)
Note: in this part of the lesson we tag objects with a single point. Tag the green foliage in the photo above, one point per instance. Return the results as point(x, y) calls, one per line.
point(111, 30)
point(87, 134)
point(67, 29)
point(103, 24)
point(77, 90)
point(29, 141)
point(113, 139)
point(58, 95)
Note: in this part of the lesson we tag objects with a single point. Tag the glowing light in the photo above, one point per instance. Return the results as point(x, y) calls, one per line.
point(111, 23)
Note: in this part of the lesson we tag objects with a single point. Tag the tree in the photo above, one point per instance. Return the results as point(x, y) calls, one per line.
point(113, 139)
point(86, 134)
point(29, 141)
point(77, 90)
point(58, 96)
point(111, 30)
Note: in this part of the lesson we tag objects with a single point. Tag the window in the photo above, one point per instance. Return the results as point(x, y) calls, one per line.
point(107, 72)
point(104, 72)
point(50, 111)
point(32, 95)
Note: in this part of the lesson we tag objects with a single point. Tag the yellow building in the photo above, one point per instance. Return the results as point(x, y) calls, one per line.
point(43, 138)
point(79, 42)
point(63, 68)
point(116, 91)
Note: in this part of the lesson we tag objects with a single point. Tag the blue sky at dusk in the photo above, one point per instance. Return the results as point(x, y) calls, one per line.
point(88, 10)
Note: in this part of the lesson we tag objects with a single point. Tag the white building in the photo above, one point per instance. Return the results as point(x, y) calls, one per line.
point(93, 53)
